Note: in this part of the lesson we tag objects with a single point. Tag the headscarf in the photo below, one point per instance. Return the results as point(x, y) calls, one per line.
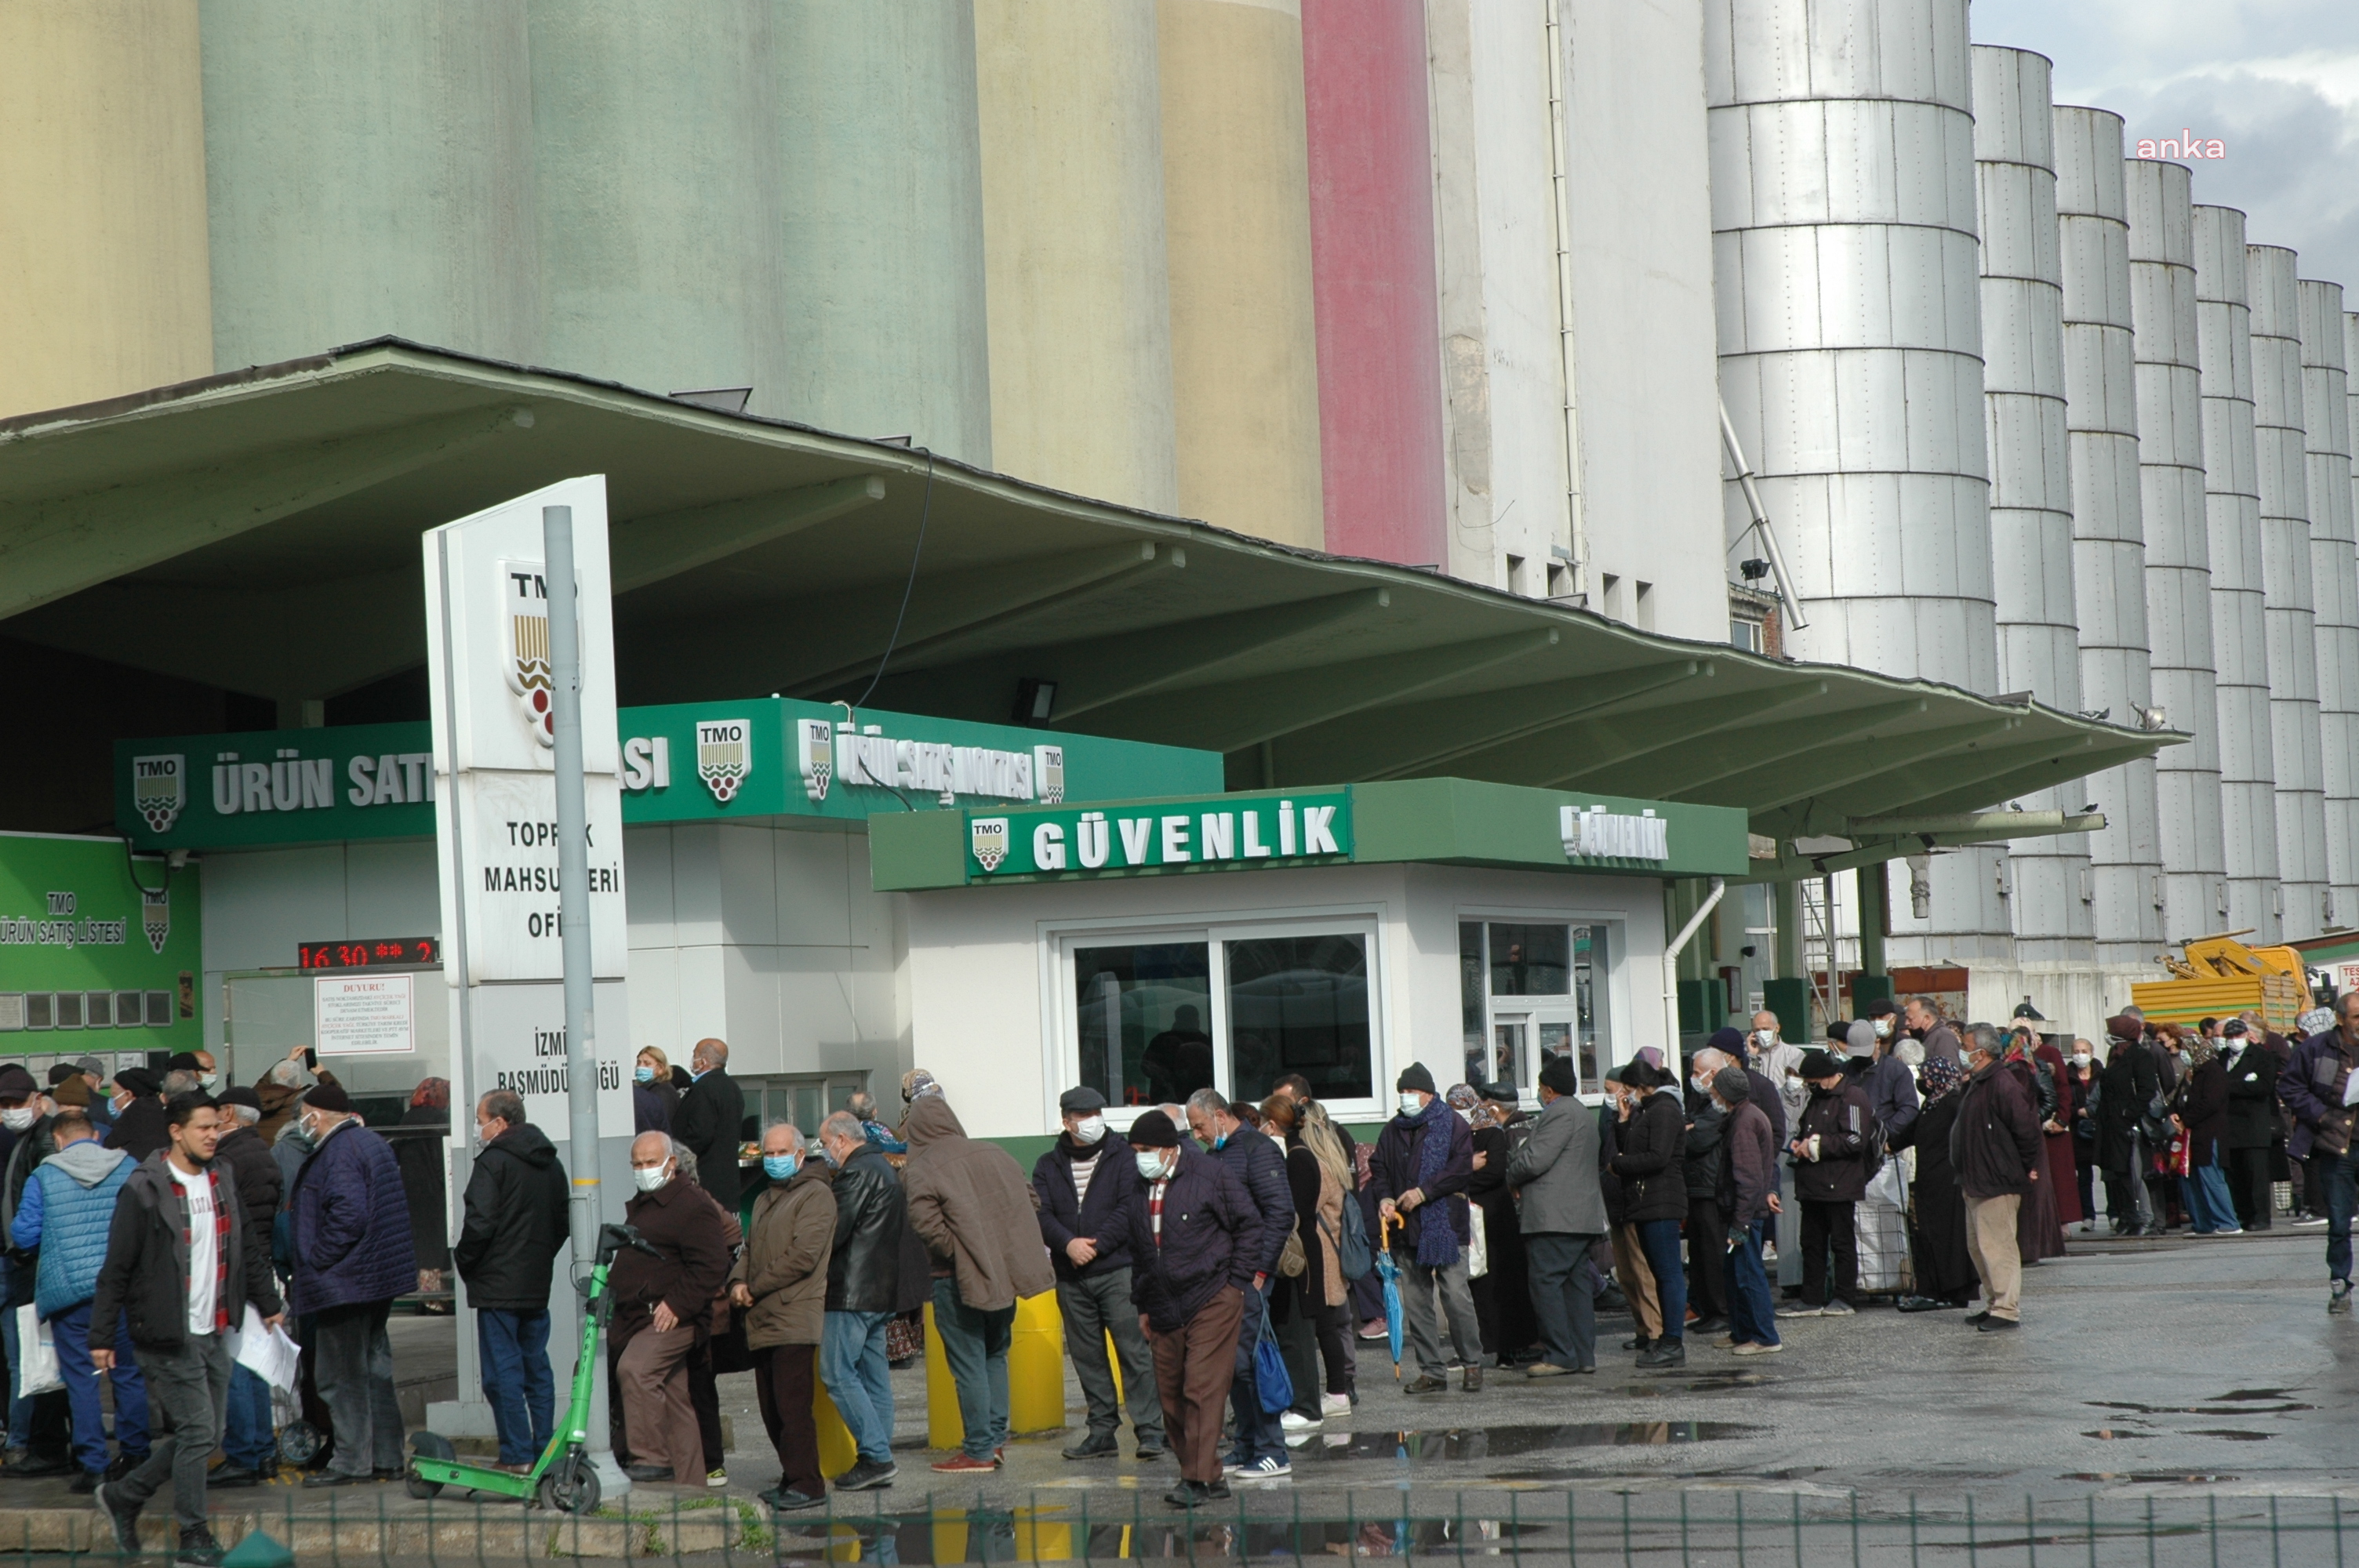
point(1939, 1075)
point(2201, 1048)
point(434, 1094)
point(1468, 1103)
point(916, 1082)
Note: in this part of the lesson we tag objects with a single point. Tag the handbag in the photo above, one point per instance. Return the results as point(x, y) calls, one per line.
point(1270, 1378)
point(1478, 1247)
point(1291, 1258)
point(38, 1351)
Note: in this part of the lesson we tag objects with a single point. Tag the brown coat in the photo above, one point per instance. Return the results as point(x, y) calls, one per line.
point(684, 1227)
point(970, 1203)
point(784, 1263)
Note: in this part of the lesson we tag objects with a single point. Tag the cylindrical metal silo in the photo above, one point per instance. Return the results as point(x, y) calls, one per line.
point(1236, 214)
point(655, 177)
point(2030, 475)
point(2171, 421)
point(2248, 814)
point(881, 215)
point(2283, 471)
point(2334, 584)
point(370, 171)
point(2109, 558)
point(1848, 287)
point(1073, 248)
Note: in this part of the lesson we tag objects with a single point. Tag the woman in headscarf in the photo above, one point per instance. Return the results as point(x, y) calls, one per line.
point(2199, 1114)
point(1504, 1281)
point(2056, 1128)
point(2037, 1232)
point(419, 1156)
point(1937, 1216)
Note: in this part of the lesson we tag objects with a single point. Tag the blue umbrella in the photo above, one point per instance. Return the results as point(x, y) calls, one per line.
point(1388, 1272)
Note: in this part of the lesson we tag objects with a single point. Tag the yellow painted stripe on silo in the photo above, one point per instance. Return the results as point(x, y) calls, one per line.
point(103, 230)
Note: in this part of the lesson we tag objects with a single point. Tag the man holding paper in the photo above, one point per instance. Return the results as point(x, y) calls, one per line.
point(181, 1268)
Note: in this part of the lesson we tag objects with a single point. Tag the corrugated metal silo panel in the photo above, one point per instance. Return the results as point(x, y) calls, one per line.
point(2334, 585)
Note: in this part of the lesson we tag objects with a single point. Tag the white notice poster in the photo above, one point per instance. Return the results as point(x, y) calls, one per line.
point(364, 1014)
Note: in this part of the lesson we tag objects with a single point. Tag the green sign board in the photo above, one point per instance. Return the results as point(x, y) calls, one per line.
point(686, 762)
point(93, 960)
point(1457, 821)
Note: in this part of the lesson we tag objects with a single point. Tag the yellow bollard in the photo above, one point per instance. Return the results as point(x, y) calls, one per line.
point(1040, 1541)
point(1036, 1374)
point(837, 1452)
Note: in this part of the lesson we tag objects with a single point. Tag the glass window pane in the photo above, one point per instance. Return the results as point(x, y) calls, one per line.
point(1144, 1011)
point(1528, 960)
point(1556, 1043)
point(1506, 1063)
point(1470, 985)
point(1299, 1004)
point(1590, 971)
point(808, 1099)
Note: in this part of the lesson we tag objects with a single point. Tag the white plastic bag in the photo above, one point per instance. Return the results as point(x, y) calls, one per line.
point(268, 1353)
point(1478, 1250)
point(38, 1351)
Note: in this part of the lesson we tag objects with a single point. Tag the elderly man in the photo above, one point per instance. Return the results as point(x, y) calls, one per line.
point(1260, 1452)
point(657, 1303)
point(864, 1285)
point(1747, 1200)
point(199, 1064)
point(1193, 1234)
point(138, 1104)
point(516, 1220)
point(1995, 1146)
point(1701, 1157)
point(37, 1426)
point(250, 1443)
point(352, 1255)
point(1562, 1209)
point(1424, 1163)
point(969, 1204)
point(863, 1106)
point(1829, 1151)
point(1922, 1018)
point(782, 1283)
point(92, 1073)
point(711, 1113)
point(68, 1206)
point(2317, 1087)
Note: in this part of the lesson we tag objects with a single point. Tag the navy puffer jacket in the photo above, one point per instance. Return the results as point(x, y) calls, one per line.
point(1212, 1234)
point(352, 1225)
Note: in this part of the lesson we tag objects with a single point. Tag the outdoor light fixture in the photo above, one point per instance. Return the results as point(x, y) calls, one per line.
point(1036, 699)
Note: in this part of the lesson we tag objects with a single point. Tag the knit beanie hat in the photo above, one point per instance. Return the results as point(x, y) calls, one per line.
point(1731, 1085)
point(1153, 1129)
point(1415, 1076)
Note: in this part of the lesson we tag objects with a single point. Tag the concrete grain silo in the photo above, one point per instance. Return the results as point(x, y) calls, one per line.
point(2109, 552)
point(2171, 425)
point(2031, 484)
point(1846, 263)
point(2232, 497)
point(2334, 587)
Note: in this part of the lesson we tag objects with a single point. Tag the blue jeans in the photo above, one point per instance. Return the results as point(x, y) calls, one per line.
point(71, 1331)
point(2341, 1191)
point(1752, 1314)
point(2204, 1191)
point(852, 1368)
point(975, 1345)
point(251, 1439)
point(1259, 1436)
point(512, 1353)
point(1660, 1240)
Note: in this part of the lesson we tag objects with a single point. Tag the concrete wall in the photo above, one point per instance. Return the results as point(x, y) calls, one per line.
point(880, 206)
point(1645, 380)
point(1371, 160)
point(656, 181)
point(369, 171)
point(1073, 239)
point(1245, 348)
point(985, 990)
point(103, 223)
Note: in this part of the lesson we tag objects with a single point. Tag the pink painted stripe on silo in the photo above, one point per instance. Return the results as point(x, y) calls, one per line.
point(1372, 290)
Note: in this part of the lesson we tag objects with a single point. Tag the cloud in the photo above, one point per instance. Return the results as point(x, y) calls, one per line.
point(2277, 81)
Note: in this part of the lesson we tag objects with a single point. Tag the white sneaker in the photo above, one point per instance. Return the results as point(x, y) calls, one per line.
point(1835, 1309)
point(1755, 1347)
point(1265, 1470)
point(1800, 1309)
point(1294, 1421)
point(1334, 1404)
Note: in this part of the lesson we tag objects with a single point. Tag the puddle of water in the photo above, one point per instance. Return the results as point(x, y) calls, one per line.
point(2256, 1394)
point(2194, 1409)
point(1507, 1442)
point(2146, 1477)
point(2231, 1434)
point(952, 1536)
point(1718, 1382)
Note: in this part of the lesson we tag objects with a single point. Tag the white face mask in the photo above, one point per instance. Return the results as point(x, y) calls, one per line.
point(210, 1082)
point(648, 1181)
point(1884, 1029)
point(1089, 1130)
point(1150, 1163)
point(1410, 1104)
point(16, 1119)
point(1765, 1038)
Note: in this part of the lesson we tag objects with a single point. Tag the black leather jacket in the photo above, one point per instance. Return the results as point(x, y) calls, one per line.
point(863, 1271)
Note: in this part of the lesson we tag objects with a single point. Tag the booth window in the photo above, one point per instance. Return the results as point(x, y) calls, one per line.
point(1530, 991)
point(1157, 1016)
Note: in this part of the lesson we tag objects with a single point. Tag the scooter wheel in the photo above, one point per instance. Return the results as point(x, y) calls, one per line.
point(299, 1442)
point(427, 1445)
point(571, 1486)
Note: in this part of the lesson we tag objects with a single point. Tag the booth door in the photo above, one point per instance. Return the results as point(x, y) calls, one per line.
point(1524, 1040)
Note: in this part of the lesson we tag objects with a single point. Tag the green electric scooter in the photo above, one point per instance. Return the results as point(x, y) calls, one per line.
point(563, 1478)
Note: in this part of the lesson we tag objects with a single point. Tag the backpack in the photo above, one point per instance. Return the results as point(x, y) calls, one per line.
point(1353, 1255)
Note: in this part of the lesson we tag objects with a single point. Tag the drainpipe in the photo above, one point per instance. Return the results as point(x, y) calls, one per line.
point(1672, 952)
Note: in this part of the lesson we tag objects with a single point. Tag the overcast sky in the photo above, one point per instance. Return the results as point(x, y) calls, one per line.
point(2277, 80)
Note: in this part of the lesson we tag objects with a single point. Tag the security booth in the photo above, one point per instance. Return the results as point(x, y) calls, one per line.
point(1153, 947)
point(99, 953)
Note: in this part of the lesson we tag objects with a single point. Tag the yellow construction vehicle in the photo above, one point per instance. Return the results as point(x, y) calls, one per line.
point(2220, 977)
